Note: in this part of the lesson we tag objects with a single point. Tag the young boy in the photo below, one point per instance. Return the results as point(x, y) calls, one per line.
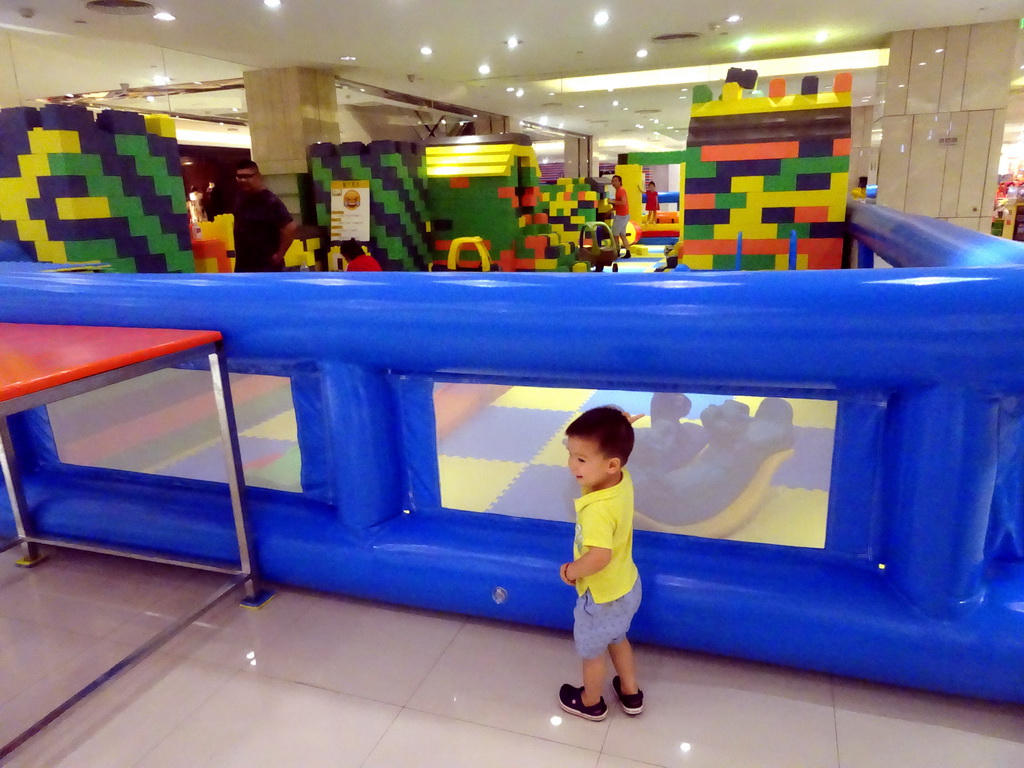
point(603, 572)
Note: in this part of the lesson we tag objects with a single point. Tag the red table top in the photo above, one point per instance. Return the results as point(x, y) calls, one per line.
point(34, 358)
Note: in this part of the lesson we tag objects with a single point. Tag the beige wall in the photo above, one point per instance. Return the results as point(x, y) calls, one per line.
point(942, 120)
point(9, 95)
point(863, 155)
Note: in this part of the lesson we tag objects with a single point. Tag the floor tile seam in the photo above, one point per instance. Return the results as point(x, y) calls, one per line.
point(184, 718)
point(835, 718)
point(315, 686)
point(462, 626)
point(597, 753)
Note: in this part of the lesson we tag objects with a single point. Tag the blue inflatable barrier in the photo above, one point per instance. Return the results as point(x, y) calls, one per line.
point(919, 582)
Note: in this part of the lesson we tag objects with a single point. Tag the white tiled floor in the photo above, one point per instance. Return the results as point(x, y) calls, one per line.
point(318, 680)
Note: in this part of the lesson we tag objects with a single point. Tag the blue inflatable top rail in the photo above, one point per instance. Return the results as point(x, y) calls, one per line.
point(907, 240)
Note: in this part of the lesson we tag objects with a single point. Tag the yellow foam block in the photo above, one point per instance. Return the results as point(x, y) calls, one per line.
point(786, 199)
point(206, 265)
point(699, 261)
point(768, 105)
point(13, 207)
point(73, 208)
point(34, 165)
point(44, 141)
point(547, 264)
point(161, 125)
point(749, 231)
point(748, 184)
point(52, 253)
point(32, 231)
point(23, 187)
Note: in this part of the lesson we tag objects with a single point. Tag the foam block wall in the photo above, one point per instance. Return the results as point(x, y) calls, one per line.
point(490, 190)
point(763, 169)
point(77, 189)
point(399, 213)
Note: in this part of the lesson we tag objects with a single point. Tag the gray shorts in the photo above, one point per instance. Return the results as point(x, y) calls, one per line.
point(598, 625)
point(619, 225)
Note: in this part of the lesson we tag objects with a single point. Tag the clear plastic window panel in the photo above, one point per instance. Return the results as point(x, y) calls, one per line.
point(165, 423)
point(754, 469)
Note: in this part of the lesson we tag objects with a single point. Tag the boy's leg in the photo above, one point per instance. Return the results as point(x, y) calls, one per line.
point(594, 672)
point(625, 665)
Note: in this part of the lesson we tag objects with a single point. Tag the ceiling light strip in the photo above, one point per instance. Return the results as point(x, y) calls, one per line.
point(711, 73)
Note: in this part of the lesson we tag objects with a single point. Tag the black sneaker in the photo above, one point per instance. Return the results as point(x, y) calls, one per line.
point(632, 703)
point(625, 255)
point(571, 700)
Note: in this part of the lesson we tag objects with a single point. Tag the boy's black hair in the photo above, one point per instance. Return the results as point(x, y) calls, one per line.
point(351, 248)
point(245, 165)
point(609, 428)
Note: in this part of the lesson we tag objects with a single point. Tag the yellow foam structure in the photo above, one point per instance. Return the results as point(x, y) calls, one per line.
point(476, 160)
point(74, 208)
point(161, 125)
point(749, 106)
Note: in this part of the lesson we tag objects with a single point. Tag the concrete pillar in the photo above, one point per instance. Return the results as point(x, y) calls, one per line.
point(942, 120)
point(289, 109)
point(578, 157)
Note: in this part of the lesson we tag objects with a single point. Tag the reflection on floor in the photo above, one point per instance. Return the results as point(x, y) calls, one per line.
point(318, 680)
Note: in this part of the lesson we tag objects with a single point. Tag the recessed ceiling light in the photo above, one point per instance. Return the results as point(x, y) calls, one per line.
point(642, 53)
point(561, 125)
point(939, 50)
point(519, 93)
point(901, 85)
point(426, 50)
point(348, 58)
point(615, 103)
point(484, 69)
point(150, 98)
point(745, 44)
point(512, 42)
point(510, 89)
point(684, 89)
point(581, 106)
point(601, 18)
point(161, 79)
point(272, 3)
point(922, 64)
point(163, 16)
point(821, 37)
point(734, 18)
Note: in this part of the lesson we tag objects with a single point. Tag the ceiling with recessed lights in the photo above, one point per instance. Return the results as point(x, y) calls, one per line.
point(621, 72)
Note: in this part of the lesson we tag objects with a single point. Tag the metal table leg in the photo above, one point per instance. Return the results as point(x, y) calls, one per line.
point(16, 494)
point(255, 596)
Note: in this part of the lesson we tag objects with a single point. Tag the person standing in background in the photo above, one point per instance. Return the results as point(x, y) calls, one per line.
point(263, 227)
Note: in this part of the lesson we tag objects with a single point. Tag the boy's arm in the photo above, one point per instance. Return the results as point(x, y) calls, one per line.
point(589, 563)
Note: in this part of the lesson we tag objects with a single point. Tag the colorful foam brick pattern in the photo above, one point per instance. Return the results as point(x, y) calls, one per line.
point(752, 185)
point(77, 189)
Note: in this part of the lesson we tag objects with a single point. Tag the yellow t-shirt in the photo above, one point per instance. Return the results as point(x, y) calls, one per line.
point(605, 519)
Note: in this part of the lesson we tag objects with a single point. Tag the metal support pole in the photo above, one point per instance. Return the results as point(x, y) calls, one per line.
point(236, 477)
point(16, 494)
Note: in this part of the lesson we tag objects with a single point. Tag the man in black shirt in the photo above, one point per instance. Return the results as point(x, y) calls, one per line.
point(263, 227)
